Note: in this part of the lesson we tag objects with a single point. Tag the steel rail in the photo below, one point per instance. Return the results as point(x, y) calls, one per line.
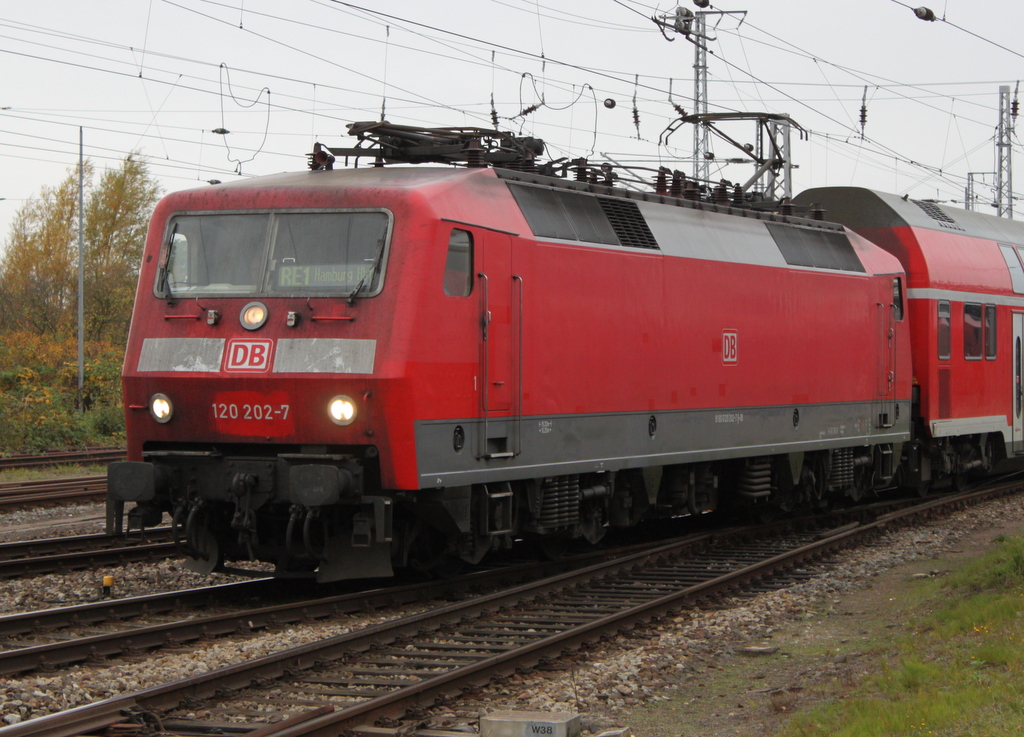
point(56, 458)
point(21, 493)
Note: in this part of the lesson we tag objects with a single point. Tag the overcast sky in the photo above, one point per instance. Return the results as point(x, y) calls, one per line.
point(159, 76)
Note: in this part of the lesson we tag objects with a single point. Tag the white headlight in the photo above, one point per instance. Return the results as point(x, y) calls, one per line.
point(253, 315)
point(161, 408)
point(342, 410)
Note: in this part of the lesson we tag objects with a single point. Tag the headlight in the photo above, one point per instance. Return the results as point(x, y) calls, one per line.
point(342, 410)
point(253, 315)
point(161, 408)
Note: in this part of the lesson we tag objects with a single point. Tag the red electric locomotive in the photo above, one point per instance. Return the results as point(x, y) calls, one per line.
point(344, 371)
point(966, 311)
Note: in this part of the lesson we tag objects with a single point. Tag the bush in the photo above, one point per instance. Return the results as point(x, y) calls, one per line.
point(39, 384)
point(105, 423)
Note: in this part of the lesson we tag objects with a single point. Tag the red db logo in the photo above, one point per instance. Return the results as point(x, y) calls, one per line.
point(729, 341)
point(249, 355)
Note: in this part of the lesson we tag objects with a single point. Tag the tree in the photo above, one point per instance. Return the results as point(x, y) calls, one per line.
point(39, 269)
point(37, 272)
point(115, 233)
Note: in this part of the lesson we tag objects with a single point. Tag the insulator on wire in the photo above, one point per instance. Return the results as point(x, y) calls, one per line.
point(636, 111)
point(494, 113)
point(680, 110)
point(863, 111)
point(924, 13)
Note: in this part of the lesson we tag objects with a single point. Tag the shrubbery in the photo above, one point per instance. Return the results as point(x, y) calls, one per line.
point(40, 406)
point(40, 409)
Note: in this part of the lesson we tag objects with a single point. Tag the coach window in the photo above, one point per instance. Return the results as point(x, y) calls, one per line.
point(972, 331)
point(990, 331)
point(1014, 266)
point(943, 332)
point(458, 269)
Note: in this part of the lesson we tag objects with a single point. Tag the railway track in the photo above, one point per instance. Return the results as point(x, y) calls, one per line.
point(79, 552)
point(64, 457)
point(384, 673)
point(218, 611)
point(41, 491)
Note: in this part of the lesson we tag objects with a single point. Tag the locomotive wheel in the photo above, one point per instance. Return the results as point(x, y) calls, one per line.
point(207, 546)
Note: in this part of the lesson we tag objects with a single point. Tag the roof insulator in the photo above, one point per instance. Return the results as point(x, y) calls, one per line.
point(661, 181)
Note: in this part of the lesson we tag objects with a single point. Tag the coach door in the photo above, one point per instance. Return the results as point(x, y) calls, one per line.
point(1017, 396)
point(500, 299)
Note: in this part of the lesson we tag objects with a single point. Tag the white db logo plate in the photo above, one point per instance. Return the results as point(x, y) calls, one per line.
point(249, 355)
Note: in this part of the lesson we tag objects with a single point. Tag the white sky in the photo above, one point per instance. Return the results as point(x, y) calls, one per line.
point(157, 76)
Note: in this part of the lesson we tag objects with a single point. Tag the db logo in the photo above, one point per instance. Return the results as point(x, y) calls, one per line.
point(249, 355)
point(729, 351)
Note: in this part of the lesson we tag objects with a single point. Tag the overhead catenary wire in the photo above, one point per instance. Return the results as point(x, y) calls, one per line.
point(649, 94)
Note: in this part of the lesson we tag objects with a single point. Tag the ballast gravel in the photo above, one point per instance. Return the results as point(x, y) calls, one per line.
point(602, 685)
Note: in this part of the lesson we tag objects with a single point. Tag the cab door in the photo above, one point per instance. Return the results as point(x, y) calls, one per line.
point(499, 326)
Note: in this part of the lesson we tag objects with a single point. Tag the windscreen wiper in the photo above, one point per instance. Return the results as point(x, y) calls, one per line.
point(161, 282)
point(369, 274)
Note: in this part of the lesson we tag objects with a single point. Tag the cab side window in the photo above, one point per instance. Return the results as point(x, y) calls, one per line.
point(458, 268)
point(897, 298)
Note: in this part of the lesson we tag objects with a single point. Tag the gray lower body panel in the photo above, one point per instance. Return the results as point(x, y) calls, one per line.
point(568, 444)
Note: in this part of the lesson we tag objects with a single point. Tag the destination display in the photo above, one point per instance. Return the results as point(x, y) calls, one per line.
point(320, 275)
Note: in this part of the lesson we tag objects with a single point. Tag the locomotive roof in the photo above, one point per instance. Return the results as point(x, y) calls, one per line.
point(859, 208)
point(422, 176)
point(367, 176)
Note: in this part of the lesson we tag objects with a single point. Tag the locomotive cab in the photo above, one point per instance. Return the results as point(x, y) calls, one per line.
point(255, 309)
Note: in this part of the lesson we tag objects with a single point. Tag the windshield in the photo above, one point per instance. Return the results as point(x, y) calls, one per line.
point(299, 253)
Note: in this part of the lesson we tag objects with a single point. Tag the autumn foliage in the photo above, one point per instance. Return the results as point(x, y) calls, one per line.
point(40, 405)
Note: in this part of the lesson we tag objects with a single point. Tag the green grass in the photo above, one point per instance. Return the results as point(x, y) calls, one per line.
point(51, 472)
point(961, 672)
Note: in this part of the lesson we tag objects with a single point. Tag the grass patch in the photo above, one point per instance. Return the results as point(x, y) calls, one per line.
point(960, 673)
point(51, 472)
